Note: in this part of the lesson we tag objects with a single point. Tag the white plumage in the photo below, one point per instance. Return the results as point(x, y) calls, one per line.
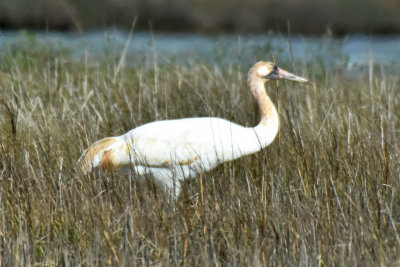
point(173, 150)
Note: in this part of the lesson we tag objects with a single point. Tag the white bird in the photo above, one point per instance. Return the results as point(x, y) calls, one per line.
point(173, 150)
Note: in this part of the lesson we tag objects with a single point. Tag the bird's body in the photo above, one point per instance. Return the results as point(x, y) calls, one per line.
point(173, 150)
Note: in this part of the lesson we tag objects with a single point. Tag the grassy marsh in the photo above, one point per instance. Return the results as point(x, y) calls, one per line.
point(325, 192)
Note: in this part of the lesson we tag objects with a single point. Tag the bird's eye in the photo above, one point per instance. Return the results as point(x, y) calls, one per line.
point(274, 71)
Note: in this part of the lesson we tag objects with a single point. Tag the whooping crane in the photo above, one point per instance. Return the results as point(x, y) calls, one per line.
point(173, 150)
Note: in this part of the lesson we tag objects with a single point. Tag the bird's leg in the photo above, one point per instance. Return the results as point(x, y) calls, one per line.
point(171, 186)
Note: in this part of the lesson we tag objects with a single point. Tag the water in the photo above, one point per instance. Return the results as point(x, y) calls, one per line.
point(353, 50)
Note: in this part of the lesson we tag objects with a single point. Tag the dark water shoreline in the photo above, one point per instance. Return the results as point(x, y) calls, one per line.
point(310, 17)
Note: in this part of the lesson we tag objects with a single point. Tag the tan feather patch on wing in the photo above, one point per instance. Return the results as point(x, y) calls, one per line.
point(107, 161)
point(100, 145)
point(187, 162)
point(94, 150)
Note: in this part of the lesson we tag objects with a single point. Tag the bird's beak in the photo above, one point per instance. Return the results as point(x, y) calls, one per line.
point(281, 74)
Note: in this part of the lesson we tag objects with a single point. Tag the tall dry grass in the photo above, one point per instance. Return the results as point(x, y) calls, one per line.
point(326, 192)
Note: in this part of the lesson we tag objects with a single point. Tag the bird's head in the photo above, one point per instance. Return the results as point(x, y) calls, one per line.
point(266, 71)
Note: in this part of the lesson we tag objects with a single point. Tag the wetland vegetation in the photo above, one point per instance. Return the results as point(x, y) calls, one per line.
point(325, 192)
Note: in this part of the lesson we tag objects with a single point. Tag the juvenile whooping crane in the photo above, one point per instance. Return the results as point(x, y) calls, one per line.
point(173, 150)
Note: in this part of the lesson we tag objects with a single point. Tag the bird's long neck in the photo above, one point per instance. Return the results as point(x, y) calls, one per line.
point(268, 127)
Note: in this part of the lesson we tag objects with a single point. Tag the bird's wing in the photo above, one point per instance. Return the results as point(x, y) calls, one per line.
point(178, 142)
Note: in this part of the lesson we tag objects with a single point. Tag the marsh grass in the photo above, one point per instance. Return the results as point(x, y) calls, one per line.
point(326, 192)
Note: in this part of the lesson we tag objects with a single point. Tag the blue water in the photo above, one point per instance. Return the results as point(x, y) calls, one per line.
point(352, 50)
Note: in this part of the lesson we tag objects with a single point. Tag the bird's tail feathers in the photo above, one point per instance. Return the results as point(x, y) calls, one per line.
point(110, 153)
